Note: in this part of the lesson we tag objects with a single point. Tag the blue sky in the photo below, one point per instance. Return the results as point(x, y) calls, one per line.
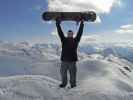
point(21, 20)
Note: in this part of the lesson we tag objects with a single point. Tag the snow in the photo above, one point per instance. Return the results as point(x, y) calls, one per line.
point(97, 80)
point(45, 88)
point(32, 73)
point(30, 87)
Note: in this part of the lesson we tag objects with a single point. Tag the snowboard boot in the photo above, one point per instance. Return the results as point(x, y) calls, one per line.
point(62, 85)
point(72, 86)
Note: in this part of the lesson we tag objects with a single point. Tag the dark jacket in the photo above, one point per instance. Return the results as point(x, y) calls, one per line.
point(69, 45)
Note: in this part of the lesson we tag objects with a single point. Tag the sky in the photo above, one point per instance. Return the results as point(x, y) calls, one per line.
point(20, 20)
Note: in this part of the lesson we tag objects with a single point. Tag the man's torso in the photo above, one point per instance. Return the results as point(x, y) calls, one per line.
point(69, 50)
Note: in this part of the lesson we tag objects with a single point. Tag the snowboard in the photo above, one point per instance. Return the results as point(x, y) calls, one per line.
point(69, 16)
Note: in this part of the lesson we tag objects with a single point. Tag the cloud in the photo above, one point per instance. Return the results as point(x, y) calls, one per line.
point(100, 6)
point(106, 37)
point(54, 33)
point(89, 39)
point(122, 35)
point(98, 20)
point(84, 39)
point(125, 29)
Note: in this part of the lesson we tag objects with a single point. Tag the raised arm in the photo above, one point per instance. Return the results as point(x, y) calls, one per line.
point(60, 33)
point(80, 31)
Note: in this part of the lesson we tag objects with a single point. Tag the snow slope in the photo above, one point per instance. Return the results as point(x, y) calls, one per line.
point(97, 80)
point(45, 88)
point(32, 73)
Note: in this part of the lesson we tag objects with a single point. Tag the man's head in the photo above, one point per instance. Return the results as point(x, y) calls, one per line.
point(70, 33)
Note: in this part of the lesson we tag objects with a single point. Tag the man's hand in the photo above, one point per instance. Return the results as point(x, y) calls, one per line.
point(58, 21)
point(82, 20)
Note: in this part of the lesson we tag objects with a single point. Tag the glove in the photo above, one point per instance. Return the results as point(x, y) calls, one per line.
point(58, 21)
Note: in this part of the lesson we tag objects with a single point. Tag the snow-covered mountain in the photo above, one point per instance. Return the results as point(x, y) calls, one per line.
point(31, 72)
point(116, 49)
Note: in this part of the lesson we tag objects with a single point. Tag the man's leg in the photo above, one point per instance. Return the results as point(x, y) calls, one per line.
point(73, 72)
point(63, 71)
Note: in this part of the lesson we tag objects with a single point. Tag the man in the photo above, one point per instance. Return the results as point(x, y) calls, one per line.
point(69, 54)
